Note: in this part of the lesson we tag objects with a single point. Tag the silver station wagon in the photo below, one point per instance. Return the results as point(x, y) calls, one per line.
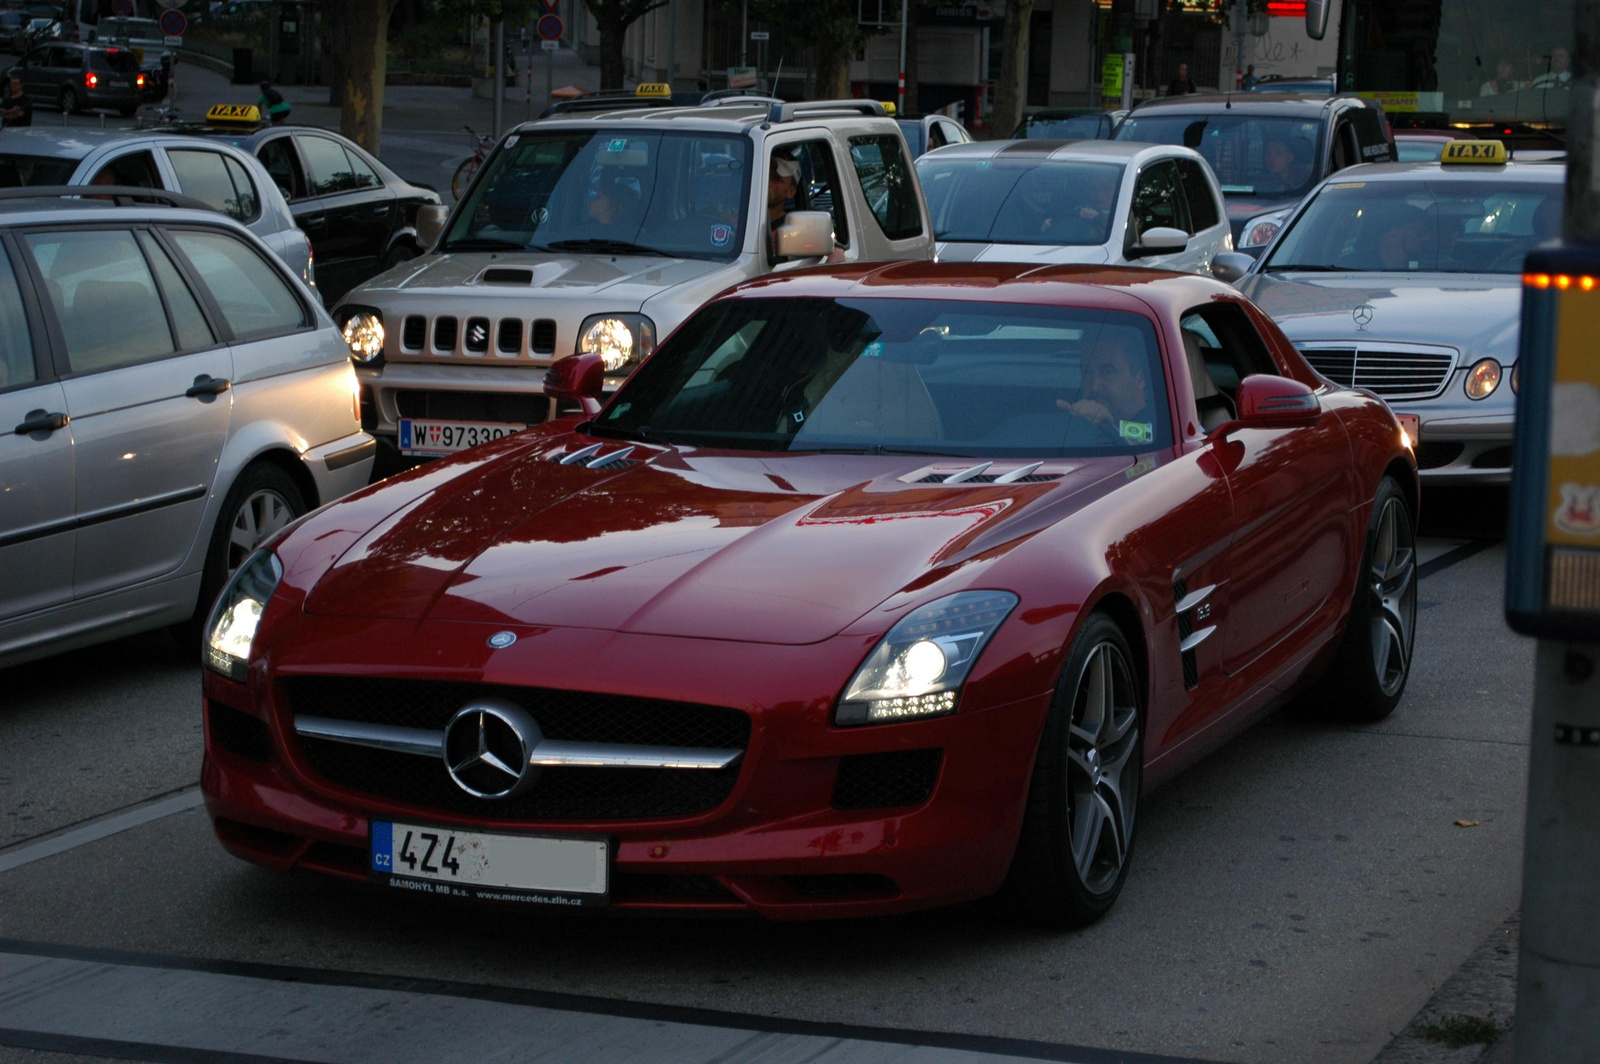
point(170, 396)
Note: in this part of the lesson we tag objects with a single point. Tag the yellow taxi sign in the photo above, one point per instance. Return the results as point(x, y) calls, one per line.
point(889, 108)
point(1473, 153)
point(241, 113)
point(654, 88)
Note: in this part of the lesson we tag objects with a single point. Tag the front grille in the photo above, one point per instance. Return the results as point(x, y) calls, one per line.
point(240, 734)
point(510, 339)
point(1438, 455)
point(444, 335)
point(1389, 374)
point(544, 337)
point(414, 332)
point(477, 342)
point(562, 793)
point(883, 781)
point(473, 406)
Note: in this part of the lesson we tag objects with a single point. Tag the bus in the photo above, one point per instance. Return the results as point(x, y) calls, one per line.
point(1496, 68)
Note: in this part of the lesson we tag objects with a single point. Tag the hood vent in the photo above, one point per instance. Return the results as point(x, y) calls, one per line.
point(591, 458)
point(978, 474)
point(505, 275)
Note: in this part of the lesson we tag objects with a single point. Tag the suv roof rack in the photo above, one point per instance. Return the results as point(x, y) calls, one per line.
point(720, 97)
point(788, 112)
point(121, 195)
point(609, 100)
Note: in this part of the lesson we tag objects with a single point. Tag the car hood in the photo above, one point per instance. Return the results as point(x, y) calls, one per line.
point(771, 549)
point(1044, 254)
point(623, 278)
point(1479, 313)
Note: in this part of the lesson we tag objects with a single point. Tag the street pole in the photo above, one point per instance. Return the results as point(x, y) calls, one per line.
point(744, 33)
point(1558, 975)
point(905, 13)
point(499, 68)
point(672, 43)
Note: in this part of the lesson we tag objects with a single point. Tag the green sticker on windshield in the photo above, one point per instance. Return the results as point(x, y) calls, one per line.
point(618, 144)
point(1137, 431)
point(1349, 184)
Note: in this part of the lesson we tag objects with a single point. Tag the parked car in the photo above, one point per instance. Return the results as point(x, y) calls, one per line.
point(38, 29)
point(1084, 201)
point(13, 24)
point(1406, 279)
point(79, 77)
point(171, 397)
point(602, 231)
point(148, 42)
point(1068, 123)
point(360, 216)
point(965, 556)
point(924, 133)
point(1268, 149)
point(220, 175)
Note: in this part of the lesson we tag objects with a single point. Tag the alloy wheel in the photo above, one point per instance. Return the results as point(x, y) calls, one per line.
point(258, 517)
point(1392, 582)
point(1102, 768)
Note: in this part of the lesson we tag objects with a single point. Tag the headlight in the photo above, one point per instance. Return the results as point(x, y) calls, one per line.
point(621, 340)
point(918, 668)
point(1482, 379)
point(231, 627)
point(363, 331)
point(1259, 231)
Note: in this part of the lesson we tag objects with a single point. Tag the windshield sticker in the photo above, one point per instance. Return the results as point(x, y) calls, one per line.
point(1349, 184)
point(720, 235)
point(1242, 190)
point(618, 144)
point(1140, 468)
point(1137, 431)
point(874, 349)
point(511, 141)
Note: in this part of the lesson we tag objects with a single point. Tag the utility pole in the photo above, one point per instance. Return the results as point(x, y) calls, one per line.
point(672, 43)
point(1558, 978)
point(905, 20)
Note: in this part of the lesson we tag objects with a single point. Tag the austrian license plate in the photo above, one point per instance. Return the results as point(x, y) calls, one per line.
point(471, 864)
point(1411, 424)
point(426, 436)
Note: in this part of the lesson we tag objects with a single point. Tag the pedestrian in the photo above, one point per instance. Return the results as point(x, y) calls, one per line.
point(1182, 85)
point(272, 102)
point(16, 108)
point(1249, 81)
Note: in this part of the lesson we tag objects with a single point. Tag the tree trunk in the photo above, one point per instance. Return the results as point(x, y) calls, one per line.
point(365, 62)
point(1011, 92)
point(833, 72)
point(612, 32)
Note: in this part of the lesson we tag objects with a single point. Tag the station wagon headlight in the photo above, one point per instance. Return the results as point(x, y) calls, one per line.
point(1483, 378)
point(363, 331)
point(621, 340)
point(1259, 231)
point(917, 669)
point(231, 628)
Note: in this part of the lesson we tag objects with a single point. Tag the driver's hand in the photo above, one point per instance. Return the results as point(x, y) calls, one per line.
point(1091, 411)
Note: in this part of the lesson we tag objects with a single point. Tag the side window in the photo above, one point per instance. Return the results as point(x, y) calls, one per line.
point(16, 342)
point(104, 298)
point(204, 175)
point(1228, 344)
point(819, 184)
point(136, 169)
point(37, 58)
point(330, 166)
point(1345, 152)
point(954, 134)
point(283, 166)
point(936, 137)
point(1158, 201)
point(1202, 204)
point(193, 332)
point(255, 300)
point(362, 175)
point(244, 186)
point(885, 176)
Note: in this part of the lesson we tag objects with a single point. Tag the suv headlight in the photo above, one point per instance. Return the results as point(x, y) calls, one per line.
point(918, 668)
point(1259, 231)
point(231, 628)
point(621, 340)
point(363, 331)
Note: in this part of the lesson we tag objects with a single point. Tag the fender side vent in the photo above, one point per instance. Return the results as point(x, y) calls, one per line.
point(990, 478)
point(1191, 667)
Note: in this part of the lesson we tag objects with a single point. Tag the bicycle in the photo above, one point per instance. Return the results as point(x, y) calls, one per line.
point(469, 167)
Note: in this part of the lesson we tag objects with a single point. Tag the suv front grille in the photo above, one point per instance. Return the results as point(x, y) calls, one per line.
point(1390, 374)
point(478, 336)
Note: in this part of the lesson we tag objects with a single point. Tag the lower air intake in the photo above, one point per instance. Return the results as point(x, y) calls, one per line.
point(885, 781)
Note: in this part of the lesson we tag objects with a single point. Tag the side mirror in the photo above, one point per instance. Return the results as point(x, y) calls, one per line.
point(1231, 265)
point(577, 379)
point(430, 223)
point(806, 234)
point(1159, 241)
point(1317, 18)
point(1266, 401)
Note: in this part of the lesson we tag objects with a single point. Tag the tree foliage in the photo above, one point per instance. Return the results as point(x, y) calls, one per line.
point(829, 27)
point(612, 18)
point(358, 32)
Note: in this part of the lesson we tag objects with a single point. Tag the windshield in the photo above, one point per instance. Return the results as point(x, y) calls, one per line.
point(1252, 155)
point(115, 59)
point(1066, 127)
point(1004, 201)
point(907, 375)
point(1435, 226)
point(17, 171)
point(680, 194)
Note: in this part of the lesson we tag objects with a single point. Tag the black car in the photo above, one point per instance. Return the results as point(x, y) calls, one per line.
point(79, 77)
point(360, 215)
point(1068, 123)
point(1268, 149)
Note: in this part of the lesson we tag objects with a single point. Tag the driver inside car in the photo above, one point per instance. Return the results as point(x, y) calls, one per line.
point(1116, 395)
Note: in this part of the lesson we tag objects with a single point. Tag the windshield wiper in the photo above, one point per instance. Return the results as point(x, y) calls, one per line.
point(1308, 268)
point(619, 247)
point(644, 434)
point(484, 243)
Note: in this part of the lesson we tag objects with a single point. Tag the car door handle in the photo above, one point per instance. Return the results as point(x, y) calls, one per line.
point(204, 385)
point(381, 209)
point(315, 221)
point(40, 421)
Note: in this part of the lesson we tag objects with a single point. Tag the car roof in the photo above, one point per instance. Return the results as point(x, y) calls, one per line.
point(728, 115)
point(1533, 173)
point(1042, 150)
point(70, 142)
point(47, 210)
point(1264, 103)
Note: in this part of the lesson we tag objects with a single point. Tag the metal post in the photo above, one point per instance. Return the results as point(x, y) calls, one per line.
point(1241, 26)
point(905, 18)
point(549, 75)
point(672, 43)
point(1127, 80)
point(744, 33)
point(499, 68)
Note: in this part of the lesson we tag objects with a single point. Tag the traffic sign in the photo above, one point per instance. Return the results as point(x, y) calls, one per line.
point(550, 27)
point(173, 22)
point(551, 5)
point(760, 35)
point(122, 8)
point(172, 42)
point(550, 46)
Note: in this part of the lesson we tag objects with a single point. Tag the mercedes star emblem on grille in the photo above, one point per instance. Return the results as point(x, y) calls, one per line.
point(1362, 315)
point(488, 748)
point(501, 640)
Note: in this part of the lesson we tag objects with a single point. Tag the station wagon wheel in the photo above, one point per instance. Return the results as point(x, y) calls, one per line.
point(1079, 825)
point(258, 517)
point(261, 502)
point(69, 100)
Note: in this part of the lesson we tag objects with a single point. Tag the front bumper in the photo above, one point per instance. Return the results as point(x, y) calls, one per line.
point(776, 845)
point(1462, 441)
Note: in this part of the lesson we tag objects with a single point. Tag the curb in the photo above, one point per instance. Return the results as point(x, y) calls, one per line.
point(1484, 988)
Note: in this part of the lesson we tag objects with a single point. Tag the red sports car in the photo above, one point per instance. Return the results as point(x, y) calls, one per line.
point(874, 588)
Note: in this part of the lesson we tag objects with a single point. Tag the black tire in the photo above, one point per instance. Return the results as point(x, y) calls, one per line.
point(1368, 677)
point(398, 254)
point(261, 501)
point(1063, 874)
point(69, 101)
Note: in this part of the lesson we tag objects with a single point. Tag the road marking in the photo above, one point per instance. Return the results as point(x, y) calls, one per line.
point(176, 1009)
point(19, 854)
point(1454, 556)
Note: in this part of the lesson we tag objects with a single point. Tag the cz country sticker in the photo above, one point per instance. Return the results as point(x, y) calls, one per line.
point(1137, 431)
point(720, 235)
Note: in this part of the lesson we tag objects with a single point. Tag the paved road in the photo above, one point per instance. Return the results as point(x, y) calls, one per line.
point(1295, 898)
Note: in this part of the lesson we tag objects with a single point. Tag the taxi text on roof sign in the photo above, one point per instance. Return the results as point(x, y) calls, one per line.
point(234, 112)
point(653, 88)
point(1473, 153)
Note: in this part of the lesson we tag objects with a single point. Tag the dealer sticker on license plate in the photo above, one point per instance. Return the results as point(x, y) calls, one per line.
point(471, 864)
point(426, 436)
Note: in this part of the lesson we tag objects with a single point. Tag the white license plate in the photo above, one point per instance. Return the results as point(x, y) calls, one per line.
point(427, 436)
point(1412, 424)
point(472, 864)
